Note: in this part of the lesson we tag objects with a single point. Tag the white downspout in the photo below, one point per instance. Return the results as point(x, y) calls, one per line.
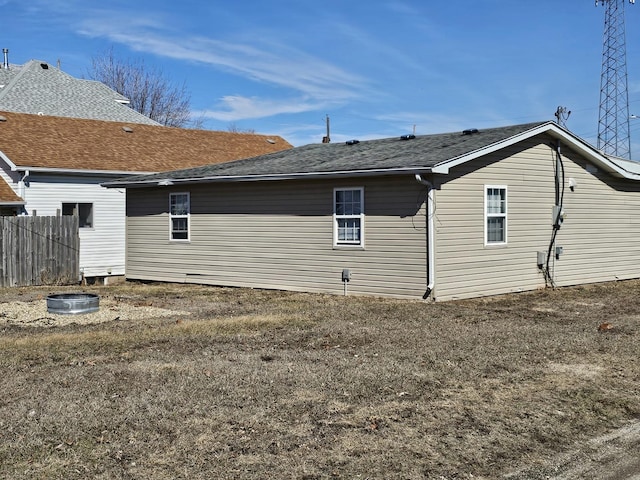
point(431, 253)
point(22, 187)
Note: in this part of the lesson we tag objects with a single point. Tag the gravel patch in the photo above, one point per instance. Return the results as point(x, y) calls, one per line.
point(35, 314)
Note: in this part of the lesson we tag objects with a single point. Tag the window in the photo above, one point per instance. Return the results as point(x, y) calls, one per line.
point(348, 212)
point(495, 215)
point(84, 212)
point(179, 216)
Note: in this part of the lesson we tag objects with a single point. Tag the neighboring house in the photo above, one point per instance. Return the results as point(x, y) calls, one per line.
point(39, 88)
point(10, 203)
point(445, 216)
point(54, 166)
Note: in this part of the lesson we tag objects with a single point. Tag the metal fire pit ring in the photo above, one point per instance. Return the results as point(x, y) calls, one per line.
point(73, 303)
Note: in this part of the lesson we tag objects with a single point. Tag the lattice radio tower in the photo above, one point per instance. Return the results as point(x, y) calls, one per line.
point(613, 122)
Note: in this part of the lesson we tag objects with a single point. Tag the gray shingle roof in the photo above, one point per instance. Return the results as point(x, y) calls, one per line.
point(373, 156)
point(37, 87)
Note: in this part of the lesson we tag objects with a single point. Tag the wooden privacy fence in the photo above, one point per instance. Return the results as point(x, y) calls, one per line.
point(39, 251)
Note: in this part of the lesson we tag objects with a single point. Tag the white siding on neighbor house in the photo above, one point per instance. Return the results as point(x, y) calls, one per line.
point(280, 235)
point(101, 247)
point(599, 235)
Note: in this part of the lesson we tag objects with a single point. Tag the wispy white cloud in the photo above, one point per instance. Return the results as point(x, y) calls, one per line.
point(234, 107)
point(424, 122)
point(317, 81)
point(402, 7)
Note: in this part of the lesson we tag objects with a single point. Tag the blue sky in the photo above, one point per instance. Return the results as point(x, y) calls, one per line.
point(377, 68)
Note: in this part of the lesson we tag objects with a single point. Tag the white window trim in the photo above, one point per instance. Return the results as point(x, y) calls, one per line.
point(188, 217)
point(487, 215)
point(336, 243)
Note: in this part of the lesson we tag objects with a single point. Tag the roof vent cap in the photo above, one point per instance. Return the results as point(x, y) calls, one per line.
point(44, 66)
point(470, 131)
point(127, 129)
point(410, 136)
point(3, 118)
point(352, 142)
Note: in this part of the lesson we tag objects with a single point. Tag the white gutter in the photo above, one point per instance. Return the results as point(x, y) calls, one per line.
point(79, 171)
point(431, 252)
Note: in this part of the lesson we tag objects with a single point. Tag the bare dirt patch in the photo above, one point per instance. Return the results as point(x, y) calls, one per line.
point(34, 313)
point(257, 384)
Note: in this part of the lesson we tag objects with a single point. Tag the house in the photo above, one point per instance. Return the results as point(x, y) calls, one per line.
point(10, 203)
point(54, 166)
point(445, 216)
point(40, 88)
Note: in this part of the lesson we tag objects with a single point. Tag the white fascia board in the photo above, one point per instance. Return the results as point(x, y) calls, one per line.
point(11, 165)
point(629, 165)
point(76, 171)
point(10, 204)
point(616, 167)
point(445, 166)
point(632, 172)
point(24, 168)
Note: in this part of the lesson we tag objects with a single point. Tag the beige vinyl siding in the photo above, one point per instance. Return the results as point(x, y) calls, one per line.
point(599, 235)
point(280, 235)
point(465, 267)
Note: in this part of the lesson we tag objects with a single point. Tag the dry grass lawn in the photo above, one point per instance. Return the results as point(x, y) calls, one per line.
point(261, 384)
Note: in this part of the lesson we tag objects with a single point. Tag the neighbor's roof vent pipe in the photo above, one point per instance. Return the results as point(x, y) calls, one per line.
point(5, 65)
point(327, 138)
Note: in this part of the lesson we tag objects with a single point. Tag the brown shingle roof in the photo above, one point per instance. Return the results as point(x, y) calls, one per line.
point(39, 141)
point(7, 195)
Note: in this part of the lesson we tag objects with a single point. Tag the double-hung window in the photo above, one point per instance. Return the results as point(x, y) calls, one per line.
point(348, 213)
point(84, 212)
point(495, 207)
point(179, 210)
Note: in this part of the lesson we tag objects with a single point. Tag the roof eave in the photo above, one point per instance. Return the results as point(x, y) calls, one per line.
point(590, 153)
point(166, 181)
point(77, 171)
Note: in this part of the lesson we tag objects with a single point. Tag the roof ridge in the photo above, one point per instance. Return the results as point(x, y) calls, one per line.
point(20, 73)
point(137, 125)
